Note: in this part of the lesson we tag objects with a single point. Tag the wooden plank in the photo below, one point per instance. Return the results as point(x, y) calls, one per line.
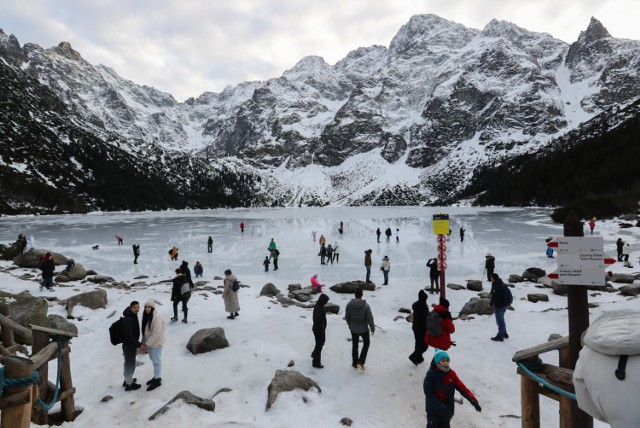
point(541, 349)
point(52, 331)
point(558, 374)
point(21, 397)
point(530, 403)
point(6, 322)
point(18, 416)
point(45, 354)
point(66, 384)
point(7, 333)
point(66, 394)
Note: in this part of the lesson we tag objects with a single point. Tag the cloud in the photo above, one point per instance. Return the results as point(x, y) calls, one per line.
point(186, 48)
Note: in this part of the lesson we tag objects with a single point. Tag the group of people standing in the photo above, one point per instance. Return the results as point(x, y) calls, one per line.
point(388, 233)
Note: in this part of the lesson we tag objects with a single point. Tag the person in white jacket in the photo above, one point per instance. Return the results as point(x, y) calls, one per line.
point(385, 267)
point(153, 339)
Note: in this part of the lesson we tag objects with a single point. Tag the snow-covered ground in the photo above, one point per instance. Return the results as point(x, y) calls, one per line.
point(267, 336)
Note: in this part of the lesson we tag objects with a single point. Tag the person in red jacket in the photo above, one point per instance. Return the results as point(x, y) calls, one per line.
point(443, 341)
point(439, 387)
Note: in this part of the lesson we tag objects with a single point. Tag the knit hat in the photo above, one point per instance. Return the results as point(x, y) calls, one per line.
point(439, 355)
point(150, 302)
point(444, 302)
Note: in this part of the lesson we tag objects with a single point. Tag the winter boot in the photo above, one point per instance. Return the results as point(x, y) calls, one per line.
point(154, 384)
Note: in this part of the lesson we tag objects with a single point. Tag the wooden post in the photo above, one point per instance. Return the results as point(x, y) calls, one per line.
point(18, 416)
point(530, 402)
point(7, 333)
point(565, 402)
point(578, 322)
point(66, 384)
point(40, 341)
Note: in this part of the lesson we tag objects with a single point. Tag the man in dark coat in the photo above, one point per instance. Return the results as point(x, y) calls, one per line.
point(184, 268)
point(619, 247)
point(378, 233)
point(130, 344)
point(360, 320)
point(136, 253)
point(434, 275)
point(499, 303)
point(319, 328)
point(47, 266)
point(367, 264)
point(210, 245)
point(489, 265)
point(419, 327)
point(178, 296)
point(388, 234)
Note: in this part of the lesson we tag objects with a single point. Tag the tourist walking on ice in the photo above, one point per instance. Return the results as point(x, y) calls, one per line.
point(439, 387)
point(462, 230)
point(336, 252)
point(388, 234)
point(266, 263)
point(397, 235)
point(329, 254)
point(136, 253)
point(230, 297)
point(419, 327)
point(180, 293)
point(385, 267)
point(322, 253)
point(360, 321)
point(153, 339)
point(313, 235)
point(619, 247)
point(120, 240)
point(210, 245)
point(319, 329)
point(272, 246)
point(241, 227)
point(592, 224)
point(378, 233)
point(274, 255)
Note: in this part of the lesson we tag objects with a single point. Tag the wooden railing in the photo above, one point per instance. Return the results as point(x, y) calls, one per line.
point(18, 405)
point(531, 389)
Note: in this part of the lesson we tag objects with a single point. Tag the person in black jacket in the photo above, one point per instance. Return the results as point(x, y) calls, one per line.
point(178, 296)
point(136, 253)
point(489, 265)
point(210, 245)
point(47, 265)
point(419, 327)
point(499, 303)
point(130, 344)
point(319, 328)
point(184, 268)
point(434, 275)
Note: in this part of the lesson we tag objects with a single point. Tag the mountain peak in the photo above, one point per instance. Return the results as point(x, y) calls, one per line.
point(595, 31)
point(64, 49)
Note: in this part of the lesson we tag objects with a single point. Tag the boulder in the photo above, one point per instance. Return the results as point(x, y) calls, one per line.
point(31, 258)
point(331, 308)
point(293, 287)
point(455, 286)
point(61, 323)
point(28, 310)
point(532, 274)
point(515, 278)
point(76, 273)
point(302, 295)
point(269, 290)
point(537, 297)
point(559, 289)
point(474, 284)
point(100, 279)
point(630, 290)
point(95, 299)
point(207, 340)
point(624, 278)
point(288, 380)
point(350, 287)
point(484, 295)
point(188, 398)
point(478, 306)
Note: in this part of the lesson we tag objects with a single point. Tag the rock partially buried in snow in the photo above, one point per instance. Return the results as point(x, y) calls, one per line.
point(331, 308)
point(99, 279)
point(455, 286)
point(288, 380)
point(624, 278)
point(477, 306)
point(537, 297)
point(207, 340)
point(350, 287)
point(31, 258)
point(76, 273)
point(630, 290)
point(474, 285)
point(95, 299)
point(269, 290)
point(188, 398)
point(515, 278)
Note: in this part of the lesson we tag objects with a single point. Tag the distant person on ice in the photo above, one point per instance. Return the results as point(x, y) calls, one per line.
point(313, 235)
point(619, 247)
point(210, 245)
point(322, 253)
point(385, 267)
point(378, 233)
point(500, 299)
point(47, 265)
point(336, 252)
point(434, 275)
point(173, 253)
point(241, 227)
point(341, 229)
point(272, 246)
point(592, 224)
point(439, 387)
point(549, 252)
point(322, 240)
point(489, 265)
point(319, 329)
point(329, 254)
point(136, 253)
point(367, 264)
point(120, 240)
point(388, 234)
point(266, 263)
point(462, 230)
point(275, 253)
point(360, 321)
point(198, 270)
point(397, 235)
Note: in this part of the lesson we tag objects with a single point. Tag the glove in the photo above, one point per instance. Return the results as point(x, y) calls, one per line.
point(475, 404)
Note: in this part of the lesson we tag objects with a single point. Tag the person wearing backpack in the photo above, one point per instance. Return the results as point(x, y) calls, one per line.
point(153, 339)
point(47, 265)
point(130, 344)
point(184, 268)
point(419, 327)
point(230, 297)
point(439, 326)
point(319, 328)
point(180, 292)
point(501, 297)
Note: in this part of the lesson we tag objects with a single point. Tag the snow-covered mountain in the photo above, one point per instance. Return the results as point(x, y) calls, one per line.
point(407, 124)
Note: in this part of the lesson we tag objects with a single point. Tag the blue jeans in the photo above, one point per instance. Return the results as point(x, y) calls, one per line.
point(368, 273)
point(156, 358)
point(386, 276)
point(129, 363)
point(47, 282)
point(502, 327)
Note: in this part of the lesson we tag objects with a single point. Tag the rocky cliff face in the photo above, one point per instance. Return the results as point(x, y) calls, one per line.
point(404, 124)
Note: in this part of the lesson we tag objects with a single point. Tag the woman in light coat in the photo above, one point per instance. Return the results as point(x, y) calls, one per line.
point(153, 338)
point(230, 297)
point(385, 267)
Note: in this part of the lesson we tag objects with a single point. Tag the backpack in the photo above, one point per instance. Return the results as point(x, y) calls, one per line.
point(276, 252)
point(508, 297)
point(236, 285)
point(115, 332)
point(434, 324)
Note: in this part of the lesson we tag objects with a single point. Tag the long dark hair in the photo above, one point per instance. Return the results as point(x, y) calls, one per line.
point(147, 318)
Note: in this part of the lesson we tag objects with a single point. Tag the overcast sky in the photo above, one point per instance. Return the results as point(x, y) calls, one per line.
point(186, 47)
